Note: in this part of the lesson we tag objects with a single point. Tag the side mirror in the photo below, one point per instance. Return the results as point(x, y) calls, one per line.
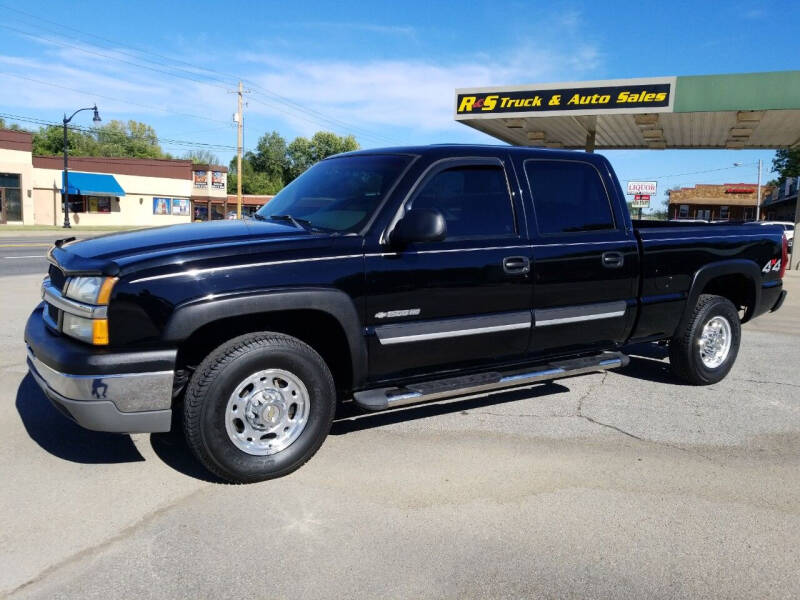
point(419, 225)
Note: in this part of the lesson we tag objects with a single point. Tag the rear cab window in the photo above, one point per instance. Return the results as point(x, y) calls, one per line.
point(569, 197)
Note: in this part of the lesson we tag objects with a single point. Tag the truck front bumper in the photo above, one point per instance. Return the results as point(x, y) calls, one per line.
point(102, 389)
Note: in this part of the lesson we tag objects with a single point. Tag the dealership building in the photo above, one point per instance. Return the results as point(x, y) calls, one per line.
point(104, 191)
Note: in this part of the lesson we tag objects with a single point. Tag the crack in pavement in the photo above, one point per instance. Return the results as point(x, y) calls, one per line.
point(794, 385)
point(592, 389)
point(97, 548)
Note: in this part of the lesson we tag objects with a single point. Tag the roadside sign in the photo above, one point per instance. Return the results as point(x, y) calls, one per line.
point(642, 187)
point(641, 201)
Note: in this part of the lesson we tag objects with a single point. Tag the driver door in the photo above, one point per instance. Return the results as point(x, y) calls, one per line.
point(444, 305)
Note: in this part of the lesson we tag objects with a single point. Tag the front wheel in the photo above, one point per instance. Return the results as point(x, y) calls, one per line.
point(259, 407)
point(704, 351)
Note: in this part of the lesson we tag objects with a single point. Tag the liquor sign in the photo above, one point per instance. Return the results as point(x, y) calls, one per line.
point(641, 201)
point(647, 188)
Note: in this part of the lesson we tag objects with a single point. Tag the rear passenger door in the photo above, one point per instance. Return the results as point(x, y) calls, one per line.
point(441, 305)
point(586, 259)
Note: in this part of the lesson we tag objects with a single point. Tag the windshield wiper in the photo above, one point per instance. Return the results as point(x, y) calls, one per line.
point(299, 223)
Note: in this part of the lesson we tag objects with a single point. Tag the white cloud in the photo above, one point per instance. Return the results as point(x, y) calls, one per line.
point(414, 96)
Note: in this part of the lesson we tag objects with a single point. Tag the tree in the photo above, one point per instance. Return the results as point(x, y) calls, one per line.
point(271, 156)
point(49, 141)
point(253, 182)
point(787, 163)
point(303, 153)
point(11, 126)
point(116, 139)
point(202, 157)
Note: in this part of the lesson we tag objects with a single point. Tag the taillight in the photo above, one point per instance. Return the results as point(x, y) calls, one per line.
point(784, 256)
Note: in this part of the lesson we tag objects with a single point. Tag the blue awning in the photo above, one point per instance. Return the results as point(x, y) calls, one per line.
point(92, 184)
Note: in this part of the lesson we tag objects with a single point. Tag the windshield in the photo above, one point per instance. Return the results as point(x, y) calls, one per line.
point(339, 194)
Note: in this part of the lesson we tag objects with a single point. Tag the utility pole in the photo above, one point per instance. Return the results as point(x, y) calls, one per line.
point(758, 198)
point(239, 156)
point(238, 117)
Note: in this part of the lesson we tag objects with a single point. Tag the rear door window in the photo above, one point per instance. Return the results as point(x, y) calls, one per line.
point(568, 197)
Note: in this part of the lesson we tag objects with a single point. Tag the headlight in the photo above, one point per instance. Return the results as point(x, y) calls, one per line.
point(93, 331)
point(90, 290)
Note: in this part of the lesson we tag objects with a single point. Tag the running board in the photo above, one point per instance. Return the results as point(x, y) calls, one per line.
point(383, 398)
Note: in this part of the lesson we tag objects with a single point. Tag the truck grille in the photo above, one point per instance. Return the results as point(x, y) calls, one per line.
point(57, 277)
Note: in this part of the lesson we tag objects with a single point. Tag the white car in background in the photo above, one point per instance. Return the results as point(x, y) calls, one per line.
point(788, 228)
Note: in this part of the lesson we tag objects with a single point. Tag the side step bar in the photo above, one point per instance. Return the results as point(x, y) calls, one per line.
point(383, 398)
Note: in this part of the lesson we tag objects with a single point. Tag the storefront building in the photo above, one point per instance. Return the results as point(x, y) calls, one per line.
point(102, 191)
point(781, 203)
point(717, 202)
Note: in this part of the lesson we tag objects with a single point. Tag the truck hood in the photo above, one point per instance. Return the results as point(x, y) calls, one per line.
point(110, 253)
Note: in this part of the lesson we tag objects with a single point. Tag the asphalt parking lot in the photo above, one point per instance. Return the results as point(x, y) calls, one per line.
point(617, 485)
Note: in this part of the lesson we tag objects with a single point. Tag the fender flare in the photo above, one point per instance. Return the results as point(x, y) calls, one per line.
point(737, 266)
point(189, 317)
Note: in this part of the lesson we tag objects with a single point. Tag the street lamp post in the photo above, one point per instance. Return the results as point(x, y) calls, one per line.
point(65, 179)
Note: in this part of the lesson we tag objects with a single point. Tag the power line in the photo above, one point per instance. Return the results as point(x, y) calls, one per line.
point(286, 103)
point(94, 95)
point(698, 172)
point(160, 140)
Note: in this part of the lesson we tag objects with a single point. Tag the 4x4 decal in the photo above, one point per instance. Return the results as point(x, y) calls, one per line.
point(773, 265)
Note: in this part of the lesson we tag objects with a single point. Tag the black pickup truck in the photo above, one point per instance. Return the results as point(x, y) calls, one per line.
point(385, 277)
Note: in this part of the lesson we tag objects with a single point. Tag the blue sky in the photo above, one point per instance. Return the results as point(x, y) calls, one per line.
point(384, 71)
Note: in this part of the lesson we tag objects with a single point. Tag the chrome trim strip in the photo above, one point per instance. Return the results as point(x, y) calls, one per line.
point(576, 314)
point(417, 331)
point(446, 334)
point(593, 317)
point(196, 272)
point(129, 392)
point(53, 296)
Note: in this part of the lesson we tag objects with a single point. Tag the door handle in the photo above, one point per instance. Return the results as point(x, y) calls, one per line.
point(613, 259)
point(516, 265)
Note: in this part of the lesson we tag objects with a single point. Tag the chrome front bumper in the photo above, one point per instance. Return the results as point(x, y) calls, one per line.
point(124, 403)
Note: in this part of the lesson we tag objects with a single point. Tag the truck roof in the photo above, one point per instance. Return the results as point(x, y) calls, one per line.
point(437, 151)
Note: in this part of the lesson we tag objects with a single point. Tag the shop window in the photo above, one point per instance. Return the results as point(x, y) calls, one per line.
point(683, 212)
point(90, 204)
point(724, 213)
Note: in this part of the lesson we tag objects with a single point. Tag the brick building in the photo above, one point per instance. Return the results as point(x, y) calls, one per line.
point(780, 204)
point(717, 202)
point(103, 191)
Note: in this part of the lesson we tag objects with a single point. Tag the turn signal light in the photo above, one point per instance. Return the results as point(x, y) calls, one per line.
point(100, 332)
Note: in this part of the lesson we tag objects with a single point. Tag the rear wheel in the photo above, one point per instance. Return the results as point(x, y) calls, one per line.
point(704, 351)
point(259, 407)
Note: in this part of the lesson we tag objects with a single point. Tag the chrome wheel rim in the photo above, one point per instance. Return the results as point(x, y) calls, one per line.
point(267, 412)
point(715, 342)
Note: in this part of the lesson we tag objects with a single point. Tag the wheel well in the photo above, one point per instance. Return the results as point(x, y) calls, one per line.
point(737, 288)
point(318, 329)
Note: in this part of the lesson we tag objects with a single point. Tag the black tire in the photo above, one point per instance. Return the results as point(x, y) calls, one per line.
point(217, 377)
point(684, 348)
